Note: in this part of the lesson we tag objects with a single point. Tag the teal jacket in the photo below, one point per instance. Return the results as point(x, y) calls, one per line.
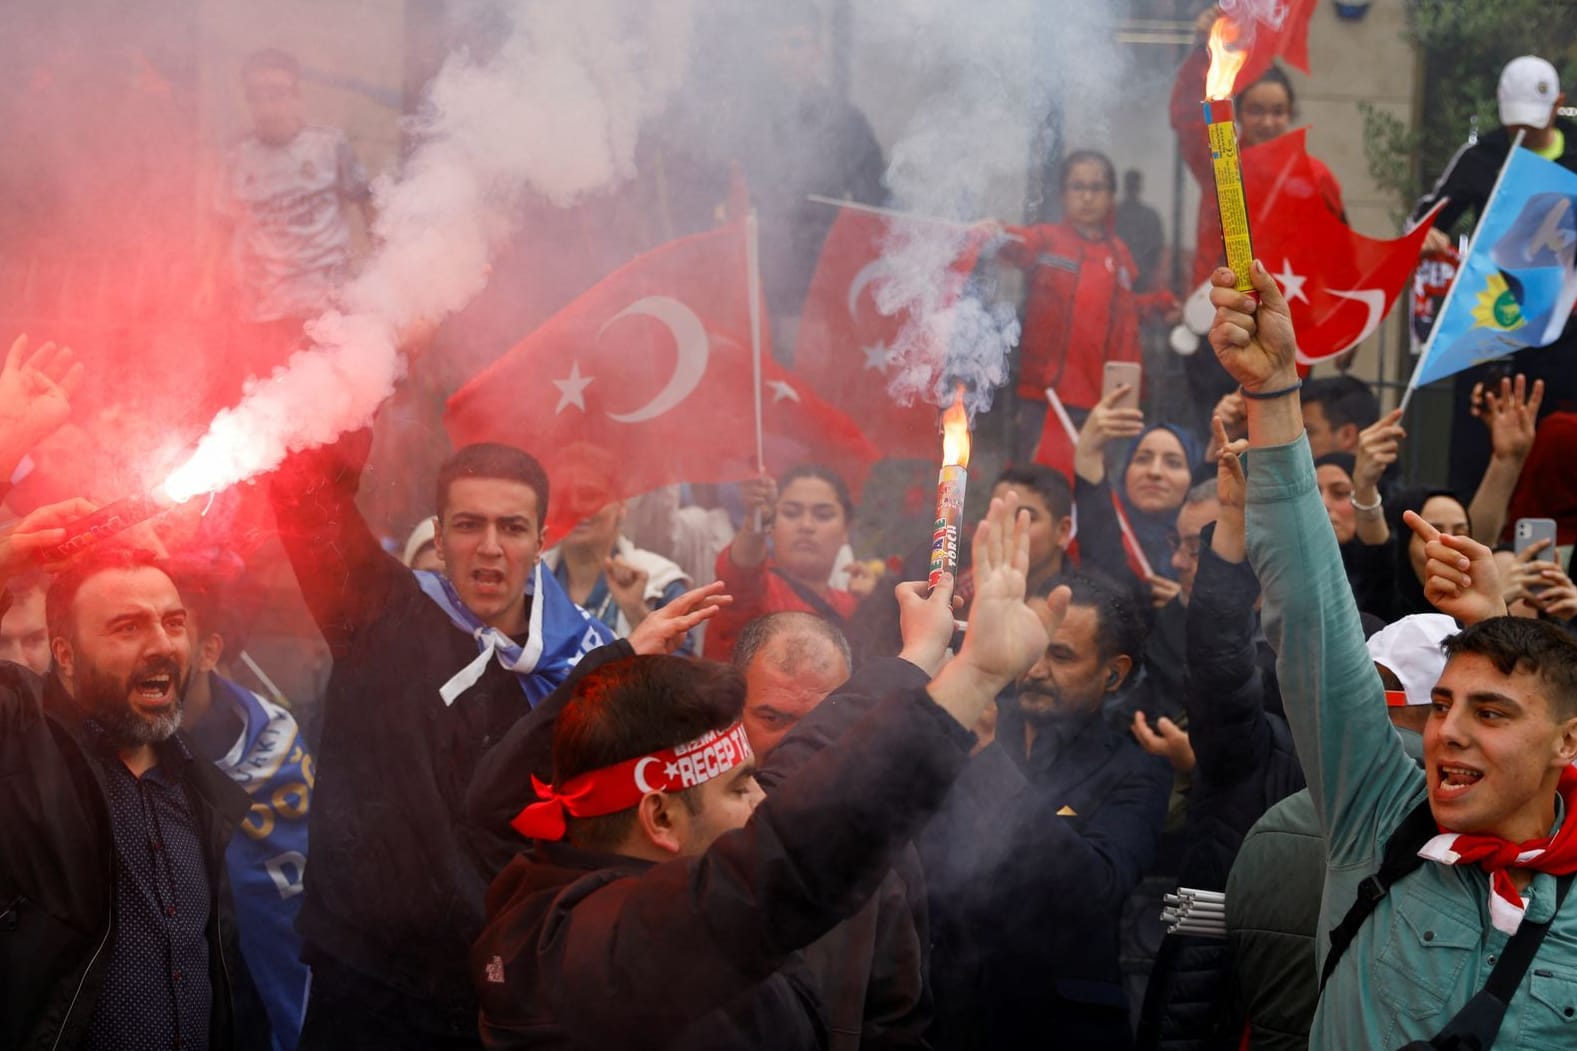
point(1429, 946)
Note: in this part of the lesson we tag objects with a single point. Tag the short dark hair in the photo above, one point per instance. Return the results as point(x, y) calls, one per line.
point(826, 474)
point(1048, 484)
point(1122, 616)
point(103, 558)
point(1273, 75)
point(270, 60)
point(1514, 644)
point(1133, 179)
point(634, 706)
point(1346, 399)
point(754, 637)
point(493, 460)
point(1082, 157)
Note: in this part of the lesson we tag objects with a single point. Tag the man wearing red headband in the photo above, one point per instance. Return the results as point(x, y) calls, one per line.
point(660, 905)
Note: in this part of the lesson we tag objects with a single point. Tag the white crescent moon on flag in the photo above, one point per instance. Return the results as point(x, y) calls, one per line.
point(640, 775)
point(867, 274)
point(689, 340)
point(1374, 299)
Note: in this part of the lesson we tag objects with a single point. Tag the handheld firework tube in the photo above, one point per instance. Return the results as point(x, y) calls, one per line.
point(1235, 237)
point(106, 522)
point(950, 486)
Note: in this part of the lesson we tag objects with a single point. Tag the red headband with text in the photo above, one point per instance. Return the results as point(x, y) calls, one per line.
point(621, 786)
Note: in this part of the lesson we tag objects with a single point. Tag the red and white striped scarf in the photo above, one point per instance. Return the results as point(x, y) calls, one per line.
point(1556, 855)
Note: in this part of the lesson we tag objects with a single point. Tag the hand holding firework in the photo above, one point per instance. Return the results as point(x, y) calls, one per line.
point(1253, 340)
point(27, 543)
point(925, 622)
point(35, 397)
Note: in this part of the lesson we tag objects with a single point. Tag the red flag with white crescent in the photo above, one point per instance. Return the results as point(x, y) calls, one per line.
point(646, 379)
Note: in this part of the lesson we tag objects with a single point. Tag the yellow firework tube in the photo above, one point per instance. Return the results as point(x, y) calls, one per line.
point(1229, 190)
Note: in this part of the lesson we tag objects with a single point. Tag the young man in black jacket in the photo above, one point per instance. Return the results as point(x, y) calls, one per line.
point(113, 908)
point(659, 906)
point(1529, 98)
point(430, 671)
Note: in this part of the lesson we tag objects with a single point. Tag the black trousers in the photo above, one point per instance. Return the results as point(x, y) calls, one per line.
point(349, 1011)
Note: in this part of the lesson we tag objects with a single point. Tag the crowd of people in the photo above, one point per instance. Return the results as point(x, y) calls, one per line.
point(692, 774)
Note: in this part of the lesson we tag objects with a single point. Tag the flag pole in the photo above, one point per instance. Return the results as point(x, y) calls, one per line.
point(753, 276)
point(894, 213)
point(1456, 282)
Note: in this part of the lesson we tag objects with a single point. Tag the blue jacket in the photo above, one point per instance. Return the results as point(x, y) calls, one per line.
point(1429, 945)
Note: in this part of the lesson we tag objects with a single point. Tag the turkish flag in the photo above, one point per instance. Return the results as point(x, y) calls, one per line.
point(845, 344)
point(647, 379)
point(1289, 42)
point(1339, 283)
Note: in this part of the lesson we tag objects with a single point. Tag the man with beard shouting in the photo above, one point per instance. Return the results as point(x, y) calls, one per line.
point(111, 879)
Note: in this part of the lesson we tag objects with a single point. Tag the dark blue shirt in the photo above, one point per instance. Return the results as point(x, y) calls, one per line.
point(157, 992)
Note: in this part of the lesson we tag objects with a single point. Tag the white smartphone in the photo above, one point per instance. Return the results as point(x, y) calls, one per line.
point(1118, 374)
point(1528, 532)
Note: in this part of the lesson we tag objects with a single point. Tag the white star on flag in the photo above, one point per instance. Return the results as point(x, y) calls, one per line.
point(671, 771)
point(782, 391)
point(1291, 283)
point(876, 357)
point(572, 391)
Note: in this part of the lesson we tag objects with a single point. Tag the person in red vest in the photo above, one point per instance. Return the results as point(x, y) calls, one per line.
point(1080, 307)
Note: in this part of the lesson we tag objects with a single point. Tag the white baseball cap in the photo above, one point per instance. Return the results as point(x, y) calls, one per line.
point(425, 533)
point(1411, 649)
point(1527, 93)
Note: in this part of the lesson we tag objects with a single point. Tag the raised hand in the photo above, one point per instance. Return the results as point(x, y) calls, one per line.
point(663, 630)
point(1558, 596)
point(1230, 540)
point(1461, 579)
point(1162, 590)
point(1379, 445)
point(925, 622)
point(627, 585)
point(35, 397)
point(1167, 740)
point(1005, 636)
point(1104, 423)
point(1254, 341)
point(1511, 414)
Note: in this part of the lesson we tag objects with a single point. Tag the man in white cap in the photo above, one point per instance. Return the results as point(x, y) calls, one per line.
point(1408, 656)
point(1530, 98)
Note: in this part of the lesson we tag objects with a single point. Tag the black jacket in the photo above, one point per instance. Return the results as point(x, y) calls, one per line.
point(1244, 764)
point(1028, 868)
point(57, 870)
point(592, 951)
point(396, 886)
point(868, 974)
point(1470, 176)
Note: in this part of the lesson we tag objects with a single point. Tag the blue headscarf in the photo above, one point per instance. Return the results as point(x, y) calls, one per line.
point(1154, 531)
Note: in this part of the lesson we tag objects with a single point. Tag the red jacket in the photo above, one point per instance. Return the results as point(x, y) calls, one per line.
point(1080, 311)
point(758, 591)
point(1188, 120)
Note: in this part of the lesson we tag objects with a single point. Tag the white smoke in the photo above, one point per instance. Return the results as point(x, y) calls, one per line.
point(998, 70)
point(555, 111)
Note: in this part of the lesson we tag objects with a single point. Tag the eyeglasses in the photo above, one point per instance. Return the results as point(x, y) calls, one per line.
point(1189, 545)
point(1094, 189)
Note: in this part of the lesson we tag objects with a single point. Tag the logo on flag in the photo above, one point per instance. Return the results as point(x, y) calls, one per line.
point(1517, 285)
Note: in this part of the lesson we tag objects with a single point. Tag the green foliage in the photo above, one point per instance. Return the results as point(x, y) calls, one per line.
point(1463, 45)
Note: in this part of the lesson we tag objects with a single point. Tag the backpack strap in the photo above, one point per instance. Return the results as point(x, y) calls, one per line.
point(1475, 1027)
point(1400, 858)
point(819, 605)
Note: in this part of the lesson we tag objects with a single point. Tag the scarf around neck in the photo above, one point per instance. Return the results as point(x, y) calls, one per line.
point(558, 634)
point(1555, 855)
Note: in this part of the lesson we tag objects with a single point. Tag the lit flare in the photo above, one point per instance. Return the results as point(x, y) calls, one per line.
point(955, 433)
point(1228, 51)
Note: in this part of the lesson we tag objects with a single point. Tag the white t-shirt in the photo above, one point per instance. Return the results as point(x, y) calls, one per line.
point(292, 240)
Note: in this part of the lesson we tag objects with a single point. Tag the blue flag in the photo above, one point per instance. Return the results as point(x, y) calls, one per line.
point(1517, 285)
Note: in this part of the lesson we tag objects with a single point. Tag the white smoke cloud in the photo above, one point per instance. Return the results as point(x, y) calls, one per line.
point(555, 111)
point(998, 70)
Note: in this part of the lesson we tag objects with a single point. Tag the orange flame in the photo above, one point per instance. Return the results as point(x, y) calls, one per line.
point(1228, 51)
point(955, 433)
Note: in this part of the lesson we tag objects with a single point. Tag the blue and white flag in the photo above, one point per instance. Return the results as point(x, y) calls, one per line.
point(1517, 285)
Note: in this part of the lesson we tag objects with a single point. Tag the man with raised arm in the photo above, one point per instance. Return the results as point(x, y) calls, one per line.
point(659, 905)
point(431, 669)
point(1482, 839)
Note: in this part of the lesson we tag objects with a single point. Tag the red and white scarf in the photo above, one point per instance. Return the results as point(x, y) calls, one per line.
point(1556, 855)
point(622, 785)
